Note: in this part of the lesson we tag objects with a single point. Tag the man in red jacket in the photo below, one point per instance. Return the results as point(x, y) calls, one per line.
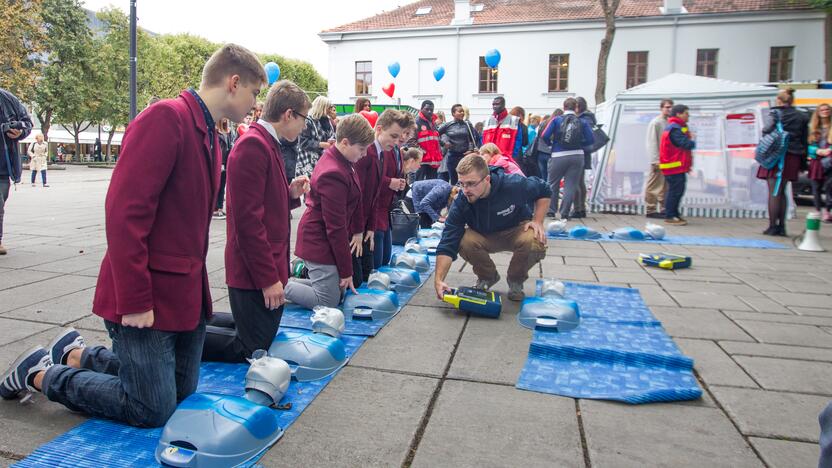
point(153, 286)
point(676, 160)
point(259, 230)
point(333, 214)
point(427, 136)
point(501, 128)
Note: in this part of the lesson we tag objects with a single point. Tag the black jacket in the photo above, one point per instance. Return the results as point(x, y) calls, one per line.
point(11, 110)
point(460, 134)
point(795, 123)
point(509, 204)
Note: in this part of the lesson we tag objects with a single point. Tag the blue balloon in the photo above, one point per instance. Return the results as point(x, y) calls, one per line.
point(272, 72)
point(492, 58)
point(438, 73)
point(394, 69)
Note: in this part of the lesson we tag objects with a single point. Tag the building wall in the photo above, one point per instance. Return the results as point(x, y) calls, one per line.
point(744, 43)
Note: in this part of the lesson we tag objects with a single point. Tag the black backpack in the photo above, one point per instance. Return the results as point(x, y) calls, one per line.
point(570, 134)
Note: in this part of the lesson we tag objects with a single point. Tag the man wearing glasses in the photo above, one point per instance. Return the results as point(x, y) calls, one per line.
point(494, 215)
point(656, 189)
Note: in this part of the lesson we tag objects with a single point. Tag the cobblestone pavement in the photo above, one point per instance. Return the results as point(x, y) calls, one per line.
point(436, 388)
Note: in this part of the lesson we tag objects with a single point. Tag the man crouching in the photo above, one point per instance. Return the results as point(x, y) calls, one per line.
point(494, 215)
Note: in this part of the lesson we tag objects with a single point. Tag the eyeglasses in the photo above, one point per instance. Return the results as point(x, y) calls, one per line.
point(299, 114)
point(469, 185)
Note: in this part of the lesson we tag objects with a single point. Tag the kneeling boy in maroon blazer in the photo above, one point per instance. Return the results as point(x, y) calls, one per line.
point(259, 230)
point(332, 215)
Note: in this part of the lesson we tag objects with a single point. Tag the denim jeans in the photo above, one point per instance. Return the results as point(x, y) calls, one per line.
point(139, 382)
point(675, 191)
point(42, 176)
point(383, 249)
point(5, 183)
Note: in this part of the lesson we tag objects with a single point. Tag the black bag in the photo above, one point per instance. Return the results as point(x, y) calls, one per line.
point(600, 139)
point(826, 164)
point(404, 226)
point(570, 134)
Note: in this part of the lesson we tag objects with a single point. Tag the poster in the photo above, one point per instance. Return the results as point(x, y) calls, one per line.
point(741, 131)
point(706, 131)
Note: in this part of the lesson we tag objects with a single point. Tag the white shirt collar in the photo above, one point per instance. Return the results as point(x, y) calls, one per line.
point(269, 128)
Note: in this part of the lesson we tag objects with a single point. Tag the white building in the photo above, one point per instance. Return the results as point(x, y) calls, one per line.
point(550, 49)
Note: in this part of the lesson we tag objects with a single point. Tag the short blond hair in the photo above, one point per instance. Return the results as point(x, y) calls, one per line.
point(284, 95)
point(356, 129)
point(233, 59)
point(472, 163)
point(490, 149)
point(394, 116)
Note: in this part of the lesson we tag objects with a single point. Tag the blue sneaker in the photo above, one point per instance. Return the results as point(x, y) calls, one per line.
point(65, 342)
point(17, 379)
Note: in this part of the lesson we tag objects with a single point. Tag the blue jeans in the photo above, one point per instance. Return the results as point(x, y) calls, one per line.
point(139, 382)
point(675, 191)
point(383, 241)
point(543, 164)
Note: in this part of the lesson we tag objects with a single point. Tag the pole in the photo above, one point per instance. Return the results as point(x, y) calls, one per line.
point(132, 59)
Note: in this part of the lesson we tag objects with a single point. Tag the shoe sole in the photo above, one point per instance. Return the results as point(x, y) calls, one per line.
point(13, 369)
point(54, 343)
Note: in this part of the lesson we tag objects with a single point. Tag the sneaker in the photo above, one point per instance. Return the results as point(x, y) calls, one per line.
point(550, 214)
point(65, 342)
point(780, 231)
point(577, 214)
point(654, 215)
point(219, 214)
point(19, 377)
point(677, 221)
point(770, 231)
point(46, 185)
point(3, 250)
point(486, 284)
point(515, 291)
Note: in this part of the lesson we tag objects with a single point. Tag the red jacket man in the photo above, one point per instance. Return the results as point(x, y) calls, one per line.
point(158, 210)
point(428, 136)
point(501, 128)
point(675, 148)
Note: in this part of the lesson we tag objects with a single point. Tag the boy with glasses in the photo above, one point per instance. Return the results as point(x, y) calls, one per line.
point(497, 209)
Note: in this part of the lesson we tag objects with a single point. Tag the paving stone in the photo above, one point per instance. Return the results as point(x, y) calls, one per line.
point(687, 285)
point(778, 351)
point(29, 294)
point(713, 365)
point(785, 453)
point(362, 418)
point(570, 273)
point(573, 251)
point(709, 300)
point(90, 322)
point(810, 287)
point(780, 318)
point(678, 435)
point(34, 424)
point(60, 311)
point(758, 282)
point(530, 429)
point(801, 299)
point(772, 414)
point(588, 261)
point(628, 276)
point(812, 311)
point(686, 322)
point(764, 304)
point(789, 375)
point(12, 330)
point(419, 340)
point(654, 295)
point(21, 277)
point(75, 263)
point(784, 333)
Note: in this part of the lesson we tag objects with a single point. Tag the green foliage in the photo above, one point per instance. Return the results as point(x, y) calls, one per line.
point(21, 42)
point(302, 73)
point(821, 3)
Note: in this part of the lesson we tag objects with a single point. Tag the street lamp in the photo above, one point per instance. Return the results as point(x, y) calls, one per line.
point(132, 59)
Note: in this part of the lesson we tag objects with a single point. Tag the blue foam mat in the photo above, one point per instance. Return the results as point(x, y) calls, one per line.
point(619, 352)
point(96, 442)
point(704, 241)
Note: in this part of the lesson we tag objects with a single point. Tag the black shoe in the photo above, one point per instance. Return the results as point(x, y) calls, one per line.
point(577, 214)
point(770, 231)
point(655, 215)
point(551, 214)
point(780, 231)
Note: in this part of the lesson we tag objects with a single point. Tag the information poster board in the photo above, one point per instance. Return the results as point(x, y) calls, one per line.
point(741, 130)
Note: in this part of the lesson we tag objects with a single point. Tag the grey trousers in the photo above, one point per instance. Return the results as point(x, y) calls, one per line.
point(5, 183)
point(570, 169)
point(320, 289)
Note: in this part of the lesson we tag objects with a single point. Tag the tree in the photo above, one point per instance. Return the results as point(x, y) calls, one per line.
point(21, 43)
point(827, 53)
point(112, 51)
point(609, 7)
point(301, 73)
point(68, 57)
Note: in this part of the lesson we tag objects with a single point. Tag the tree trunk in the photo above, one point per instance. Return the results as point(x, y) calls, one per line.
point(45, 119)
point(609, 7)
point(110, 140)
point(828, 46)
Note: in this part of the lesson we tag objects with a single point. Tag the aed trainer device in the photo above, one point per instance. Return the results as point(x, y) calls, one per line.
point(476, 301)
point(666, 261)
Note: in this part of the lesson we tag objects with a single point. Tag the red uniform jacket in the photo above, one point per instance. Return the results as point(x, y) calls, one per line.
point(157, 214)
point(428, 138)
point(368, 171)
point(331, 205)
point(675, 156)
point(257, 249)
point(384, 199)
point(502, 131)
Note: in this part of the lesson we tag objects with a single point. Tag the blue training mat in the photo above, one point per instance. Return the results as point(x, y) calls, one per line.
point(619, 352)
point(98, 443)
point(689, 240)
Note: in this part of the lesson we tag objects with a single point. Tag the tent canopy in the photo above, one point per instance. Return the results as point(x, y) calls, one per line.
point(727, 118)
point(60, 135)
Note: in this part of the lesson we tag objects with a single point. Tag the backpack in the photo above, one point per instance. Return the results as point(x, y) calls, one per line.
point(570, 135)
point(772, 146)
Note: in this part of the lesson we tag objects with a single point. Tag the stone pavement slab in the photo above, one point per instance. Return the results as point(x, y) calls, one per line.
point(14, 278)
point(772, 414)
point(529, 429)
point(801, 299)
point(33, 293)
point(779, 351)
point(789, 375)
point(362, 418)
point(787, 317)
point(785, 453)
point(658, 434)
point(711, 300)
point(784, 333)
point(713, 365)
point(59, 311)
point(688, 322)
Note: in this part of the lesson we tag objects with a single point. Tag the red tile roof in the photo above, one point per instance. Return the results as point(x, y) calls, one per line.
point(532, 11)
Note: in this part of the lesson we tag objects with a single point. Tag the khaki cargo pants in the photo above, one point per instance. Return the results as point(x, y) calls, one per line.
point(475, 249)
